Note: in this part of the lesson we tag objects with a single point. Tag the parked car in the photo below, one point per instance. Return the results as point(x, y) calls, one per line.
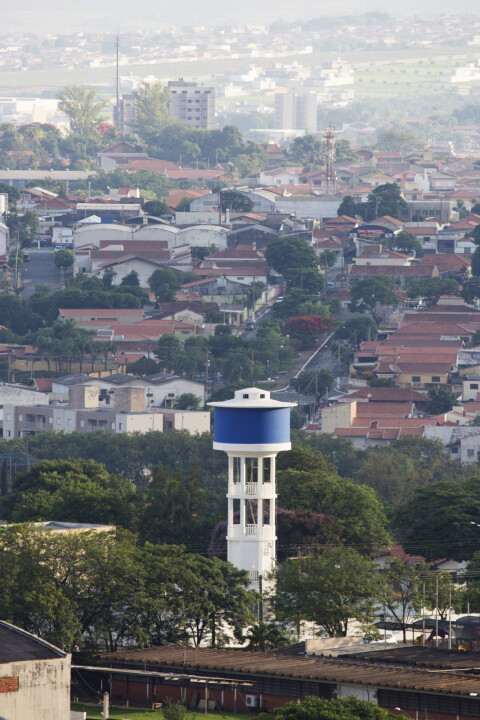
point(249, 325)
point(26, 257)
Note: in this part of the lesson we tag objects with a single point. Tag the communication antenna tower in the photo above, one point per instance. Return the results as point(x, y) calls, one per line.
point(329, 135)
point(117, 82)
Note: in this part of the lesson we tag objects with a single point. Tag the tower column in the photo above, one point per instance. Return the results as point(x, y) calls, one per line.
point(252, 428)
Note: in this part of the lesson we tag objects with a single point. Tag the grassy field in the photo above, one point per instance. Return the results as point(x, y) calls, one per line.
point(116, 713)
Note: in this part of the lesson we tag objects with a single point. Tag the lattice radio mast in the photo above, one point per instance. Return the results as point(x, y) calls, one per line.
point(330, 177)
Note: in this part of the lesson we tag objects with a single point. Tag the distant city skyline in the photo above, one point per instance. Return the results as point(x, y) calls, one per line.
point(58, 16)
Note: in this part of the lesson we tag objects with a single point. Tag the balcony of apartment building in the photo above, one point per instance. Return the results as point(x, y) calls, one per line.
point(33, 422)
point(94, 425)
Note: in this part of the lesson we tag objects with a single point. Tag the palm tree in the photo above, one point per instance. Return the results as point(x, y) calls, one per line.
point(263, 636)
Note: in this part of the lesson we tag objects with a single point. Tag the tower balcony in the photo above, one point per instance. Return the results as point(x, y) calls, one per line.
point(250, 531)
point(252, 490)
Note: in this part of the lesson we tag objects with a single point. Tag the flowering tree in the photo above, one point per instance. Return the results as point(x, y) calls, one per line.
point(305, 329)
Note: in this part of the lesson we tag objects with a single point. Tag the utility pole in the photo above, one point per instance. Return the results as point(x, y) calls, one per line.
point(117, 81)
point(16, 262)
point(436, 609)
point(449, 612)
point(206, 378)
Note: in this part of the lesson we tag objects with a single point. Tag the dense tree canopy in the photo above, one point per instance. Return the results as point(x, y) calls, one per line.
point(306, 481)
point(449, 527)
point(73, 491)
point(98, 590)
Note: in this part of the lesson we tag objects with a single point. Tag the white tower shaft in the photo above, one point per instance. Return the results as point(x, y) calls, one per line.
point(251, 530)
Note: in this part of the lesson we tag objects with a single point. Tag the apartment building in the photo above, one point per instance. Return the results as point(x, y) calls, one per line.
point(296, 111)
point(192, 104)
point(124, 114)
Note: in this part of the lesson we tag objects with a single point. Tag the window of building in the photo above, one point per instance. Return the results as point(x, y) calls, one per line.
point(245, 396)
point(453, 450)
point(59, 421)
point(120, 426)
point(473, 386)
point(415, 378)
point(435, 378)
point(169, 424)
point(470, 452)
point(9, 417)
point(69, 422)
point(50, 420)
point(20, 417)
point(8, 433)
point(82, 423)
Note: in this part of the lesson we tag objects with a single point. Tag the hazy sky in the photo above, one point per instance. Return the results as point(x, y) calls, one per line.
point(110, 15)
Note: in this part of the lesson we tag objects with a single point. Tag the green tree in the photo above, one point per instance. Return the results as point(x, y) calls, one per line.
point(307, 279)
point(144, 366)
point(327, 259)
point(187, 401)
point(386, 200)
point(165, 282)
point(285, 254)
point(151, 110)
point(449, 528)
point(355, 511)
point(237, 366)
point(131, 280)
point(213, 600)
point(441, 401)
point(156, 207)
point(63, 258)
point(314, 382)
point(265, 636)
point(168, 346)
point(431, 289)
point(314, 708)
point(367, 294)
point(330, 588)
point(475, 266)
point(470, 289)
point(357, 330)
point(349, 207)
point(306, 150)
point(79, 105)
point(403, 590)
point(407, 242)
point(396, 140)
point(235, 201)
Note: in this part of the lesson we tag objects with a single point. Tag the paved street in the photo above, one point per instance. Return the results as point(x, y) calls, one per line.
point(40, 269)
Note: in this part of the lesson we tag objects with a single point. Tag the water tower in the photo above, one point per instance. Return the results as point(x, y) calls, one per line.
point(252, 428)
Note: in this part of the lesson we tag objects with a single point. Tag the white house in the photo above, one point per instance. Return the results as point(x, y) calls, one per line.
point(279, 176)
